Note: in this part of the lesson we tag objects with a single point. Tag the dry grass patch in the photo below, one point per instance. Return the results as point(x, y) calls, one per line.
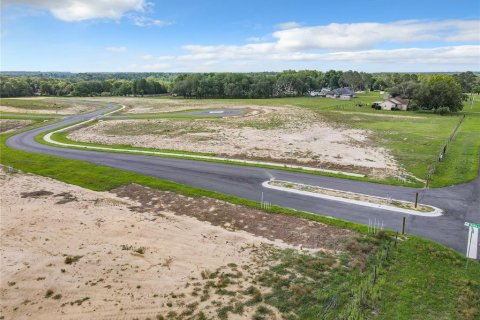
point(281, 134)
point(10, 125)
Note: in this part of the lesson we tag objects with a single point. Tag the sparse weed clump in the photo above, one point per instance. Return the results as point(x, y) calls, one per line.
point(140, 250)
point(49, 293)
point(72, 259)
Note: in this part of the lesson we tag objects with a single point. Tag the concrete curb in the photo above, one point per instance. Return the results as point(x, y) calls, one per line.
point(48, 138)
point(436, 213)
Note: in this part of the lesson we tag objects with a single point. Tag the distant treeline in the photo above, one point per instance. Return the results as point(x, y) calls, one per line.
point(214, 85)
point(22, 87)
point(255, 85)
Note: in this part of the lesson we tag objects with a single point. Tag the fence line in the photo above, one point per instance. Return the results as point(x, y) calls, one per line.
point(432, 168)
point(365, 291)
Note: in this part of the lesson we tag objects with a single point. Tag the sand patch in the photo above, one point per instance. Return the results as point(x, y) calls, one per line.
point(149, 105)
point(9, 125)
point(71, 253)
point(47, 105)
point(282, 134)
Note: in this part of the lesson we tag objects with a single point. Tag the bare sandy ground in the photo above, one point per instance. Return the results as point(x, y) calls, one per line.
point(67, 106)
point(152, 105)
point(8, 125)
point(71, 253)
point(282, 134)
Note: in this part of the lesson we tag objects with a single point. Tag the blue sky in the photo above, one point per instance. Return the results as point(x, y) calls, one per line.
point(176, 36)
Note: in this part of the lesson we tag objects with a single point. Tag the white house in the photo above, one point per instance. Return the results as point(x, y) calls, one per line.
point(394, 103)
point(345, 97)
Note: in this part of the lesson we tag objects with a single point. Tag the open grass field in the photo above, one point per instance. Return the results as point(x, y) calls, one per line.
point(419, 280)
point(412, 139)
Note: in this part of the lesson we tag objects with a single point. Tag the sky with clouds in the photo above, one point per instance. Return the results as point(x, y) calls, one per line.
point(234, 35)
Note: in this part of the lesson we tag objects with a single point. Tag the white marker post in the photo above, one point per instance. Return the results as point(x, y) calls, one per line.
point(472, 244)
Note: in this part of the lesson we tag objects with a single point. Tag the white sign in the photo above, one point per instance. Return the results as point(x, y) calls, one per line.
point(472, 225)
point(472, 244)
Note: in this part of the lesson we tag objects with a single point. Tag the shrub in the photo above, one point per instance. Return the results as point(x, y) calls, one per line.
point(140, 250)
point(442, 110)
point(49, 293)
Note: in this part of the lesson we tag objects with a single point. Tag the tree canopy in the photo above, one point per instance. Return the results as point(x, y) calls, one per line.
point(439, 91)
point(429, 91)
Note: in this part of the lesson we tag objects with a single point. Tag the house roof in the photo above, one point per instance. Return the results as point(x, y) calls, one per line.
point(399, 100)
point(344, 91)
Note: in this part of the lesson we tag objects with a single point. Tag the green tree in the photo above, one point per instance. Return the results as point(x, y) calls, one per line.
point(467, 80)
point(439, 91)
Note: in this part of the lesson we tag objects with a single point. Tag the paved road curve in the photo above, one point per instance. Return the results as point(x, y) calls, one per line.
point(461, 202)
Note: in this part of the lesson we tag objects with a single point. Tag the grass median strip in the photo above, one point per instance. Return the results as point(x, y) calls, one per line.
point(356, 198)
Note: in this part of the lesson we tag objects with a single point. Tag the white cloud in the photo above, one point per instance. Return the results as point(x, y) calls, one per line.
point(288, 25)
point(357, 36)
point(446, 58)
point(116, 49)
point(441, 43)
point(160, 58)
point(78, 10)
point(143, 21)
point(468, 55)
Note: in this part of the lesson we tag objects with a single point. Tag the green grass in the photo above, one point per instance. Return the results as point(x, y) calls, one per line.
point(62, 137)
point(304, 285)
point(22, 116)
point(102, 178)
point(461, 162)
point(425, 280)
point(415, 141)
point(309, 102)
point(413, 138)
point(32, 104)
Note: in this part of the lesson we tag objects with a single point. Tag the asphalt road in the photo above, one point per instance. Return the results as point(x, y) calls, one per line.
point(461, 202)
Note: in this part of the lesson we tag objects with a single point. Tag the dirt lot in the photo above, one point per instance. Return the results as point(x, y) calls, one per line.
point(149, 105)
point(43, 105)
point(282, 134)
point(71, 253)
point(7, 125)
